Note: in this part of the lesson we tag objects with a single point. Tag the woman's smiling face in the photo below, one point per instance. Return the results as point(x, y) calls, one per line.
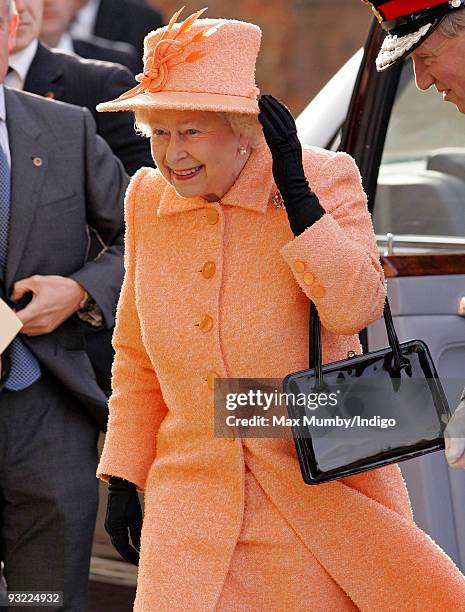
point(197, 152)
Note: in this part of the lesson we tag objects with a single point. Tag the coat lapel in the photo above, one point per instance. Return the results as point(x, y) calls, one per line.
point(28, 167)
point(45, 74)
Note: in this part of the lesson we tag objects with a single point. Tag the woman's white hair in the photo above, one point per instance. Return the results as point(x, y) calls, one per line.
point(242, 124)
point(453, 23)
point(246, 126)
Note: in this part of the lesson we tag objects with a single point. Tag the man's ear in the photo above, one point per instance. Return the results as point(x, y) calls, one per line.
point(12, 27)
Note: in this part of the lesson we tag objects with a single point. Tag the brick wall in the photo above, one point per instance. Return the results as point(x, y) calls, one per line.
point(304, 41)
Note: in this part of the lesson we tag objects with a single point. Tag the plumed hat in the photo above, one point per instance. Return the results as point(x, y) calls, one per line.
point(198, 64)
point(408, 24)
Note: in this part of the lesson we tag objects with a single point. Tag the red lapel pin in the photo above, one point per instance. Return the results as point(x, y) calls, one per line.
point(37, 161)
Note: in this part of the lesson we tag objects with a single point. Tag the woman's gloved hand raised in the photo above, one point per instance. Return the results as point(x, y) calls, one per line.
point(279, 129)
point(454, 437)
point(124, 514)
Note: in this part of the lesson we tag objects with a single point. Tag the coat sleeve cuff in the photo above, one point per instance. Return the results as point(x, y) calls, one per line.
point(338, 275)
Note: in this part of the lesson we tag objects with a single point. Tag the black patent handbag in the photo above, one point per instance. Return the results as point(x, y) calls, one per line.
point(366, 411)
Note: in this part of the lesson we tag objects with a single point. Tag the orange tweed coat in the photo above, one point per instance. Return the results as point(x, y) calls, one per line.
point(359, 530)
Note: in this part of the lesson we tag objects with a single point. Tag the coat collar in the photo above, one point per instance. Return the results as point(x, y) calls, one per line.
point(45, 74)
point(252, 189)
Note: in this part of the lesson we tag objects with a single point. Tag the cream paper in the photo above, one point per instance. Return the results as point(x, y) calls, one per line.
point(9, 325)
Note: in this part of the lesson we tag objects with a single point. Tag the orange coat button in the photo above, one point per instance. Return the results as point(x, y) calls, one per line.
point(318, 291)
point(212, 216)
point(211, 379)
point(299, 266)
point(309, 278)
point(208, 269)
point(206, 323)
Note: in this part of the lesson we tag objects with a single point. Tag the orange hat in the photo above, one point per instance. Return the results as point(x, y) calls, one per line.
point(199, 64)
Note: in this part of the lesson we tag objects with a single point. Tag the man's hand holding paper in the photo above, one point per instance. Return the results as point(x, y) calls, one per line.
point(9, 327)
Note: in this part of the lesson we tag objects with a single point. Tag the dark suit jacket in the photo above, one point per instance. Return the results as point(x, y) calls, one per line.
point(94, 47)
point(77, 183)
point(75, 80)
point(127, 21)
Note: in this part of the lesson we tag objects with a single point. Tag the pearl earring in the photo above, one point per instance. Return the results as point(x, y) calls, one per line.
point(242, 150)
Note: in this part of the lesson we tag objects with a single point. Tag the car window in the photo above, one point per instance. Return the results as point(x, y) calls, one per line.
point(421, 182)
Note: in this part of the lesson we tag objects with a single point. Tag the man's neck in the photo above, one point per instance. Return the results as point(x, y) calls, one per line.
point(51, 40)
point(63, 41)
point(83, 23)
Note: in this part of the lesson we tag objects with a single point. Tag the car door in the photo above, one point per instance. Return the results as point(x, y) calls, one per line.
point(410, 148)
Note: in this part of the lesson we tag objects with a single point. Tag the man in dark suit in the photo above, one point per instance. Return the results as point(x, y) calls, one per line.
point(123, 20)
point(68, 78)
point(56, 178)
point(65, 77)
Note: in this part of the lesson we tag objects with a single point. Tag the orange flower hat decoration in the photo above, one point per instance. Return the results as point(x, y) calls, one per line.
point(167, 54)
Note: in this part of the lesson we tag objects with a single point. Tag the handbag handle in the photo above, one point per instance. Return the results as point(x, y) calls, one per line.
point(315, 341)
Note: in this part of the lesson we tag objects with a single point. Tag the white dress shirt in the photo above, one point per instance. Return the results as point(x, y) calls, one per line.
point(65, 43)
point(20, 63)
point(84, 22)
point(4, 142)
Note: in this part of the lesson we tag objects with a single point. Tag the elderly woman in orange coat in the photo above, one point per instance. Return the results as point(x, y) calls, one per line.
point(218, 280)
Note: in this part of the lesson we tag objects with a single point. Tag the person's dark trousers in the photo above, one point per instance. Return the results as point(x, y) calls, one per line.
point(48, 489)
point(101, 354)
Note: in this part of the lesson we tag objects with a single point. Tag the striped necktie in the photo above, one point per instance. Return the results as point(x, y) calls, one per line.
point(25, 368)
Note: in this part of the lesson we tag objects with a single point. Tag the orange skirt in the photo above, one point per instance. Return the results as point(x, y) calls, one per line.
point(271, 569)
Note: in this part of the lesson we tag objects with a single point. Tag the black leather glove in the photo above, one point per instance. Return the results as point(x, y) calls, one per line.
point(302, 205)
point(124, 513)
